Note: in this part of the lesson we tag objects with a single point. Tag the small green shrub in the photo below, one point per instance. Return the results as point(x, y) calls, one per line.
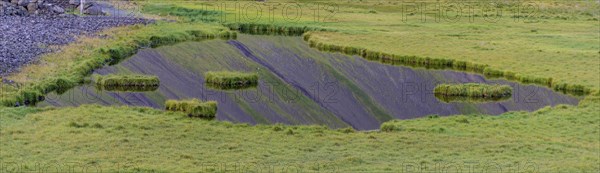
point(462, 120)
point(347, 130)
point(193, 107)
point(390, 127)
point(289, 132)
point(278, 127)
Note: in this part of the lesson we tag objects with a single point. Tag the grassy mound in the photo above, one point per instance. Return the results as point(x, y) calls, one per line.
point(193, 108)
point(473, 90)
point(127, 80)
point(227, 79)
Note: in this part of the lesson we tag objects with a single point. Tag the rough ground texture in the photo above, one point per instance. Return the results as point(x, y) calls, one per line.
point(23, 39)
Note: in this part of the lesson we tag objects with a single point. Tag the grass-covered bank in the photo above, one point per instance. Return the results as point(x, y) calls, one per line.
point(559, 139)
point(68, 68)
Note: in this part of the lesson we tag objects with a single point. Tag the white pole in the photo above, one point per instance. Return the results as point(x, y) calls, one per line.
point(81, 3)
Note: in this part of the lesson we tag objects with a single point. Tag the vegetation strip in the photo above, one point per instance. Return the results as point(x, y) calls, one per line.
point(229, 79)
point(474, 90)
point(193, 107)
point(127, 80)
point(271, 29)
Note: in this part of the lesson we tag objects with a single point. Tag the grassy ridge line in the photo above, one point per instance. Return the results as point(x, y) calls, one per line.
point(441, 63)
point(68, 68)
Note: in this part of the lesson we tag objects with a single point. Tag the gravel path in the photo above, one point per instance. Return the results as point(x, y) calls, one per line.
point(24, 39)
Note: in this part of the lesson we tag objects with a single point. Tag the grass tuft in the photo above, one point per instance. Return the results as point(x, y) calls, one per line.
point(473, 90)
point(193, 108)
point(271, 29)
point(231, 80)
point(127, 81)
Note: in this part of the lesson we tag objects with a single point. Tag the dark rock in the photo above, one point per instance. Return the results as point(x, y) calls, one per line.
point(74, 2)
point(94, 10)
point(58, 10)
point(87, 5)
point(23, 2)
point(32, 7)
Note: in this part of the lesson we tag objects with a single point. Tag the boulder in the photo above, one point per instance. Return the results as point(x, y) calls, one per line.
point(58, 10)
point(32, 7)
point(86, 5)
point(94, 10)
point(23, 3)
point(74, 2)
point(21, 11)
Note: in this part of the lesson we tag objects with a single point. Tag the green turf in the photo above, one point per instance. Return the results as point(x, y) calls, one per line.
point(563, 138)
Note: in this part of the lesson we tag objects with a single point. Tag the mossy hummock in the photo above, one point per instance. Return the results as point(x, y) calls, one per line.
point(475, 90)
point(127, 81)
point(227, 79)
point(193, 107)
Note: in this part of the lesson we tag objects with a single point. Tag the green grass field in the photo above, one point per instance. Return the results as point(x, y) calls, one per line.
point(560, 139)
point(561, 42)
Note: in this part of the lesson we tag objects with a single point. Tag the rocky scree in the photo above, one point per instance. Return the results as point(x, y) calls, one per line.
point(46, 7)
point(24, 38)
